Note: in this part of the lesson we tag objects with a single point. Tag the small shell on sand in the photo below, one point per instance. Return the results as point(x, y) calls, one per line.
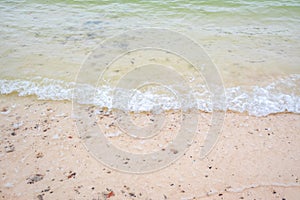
point(5, 110)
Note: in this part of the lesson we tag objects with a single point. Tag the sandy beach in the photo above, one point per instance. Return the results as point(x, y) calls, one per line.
point(114, 100)
point(43, 157)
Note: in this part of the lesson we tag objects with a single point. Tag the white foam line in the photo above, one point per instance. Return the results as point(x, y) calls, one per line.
point(277, 97)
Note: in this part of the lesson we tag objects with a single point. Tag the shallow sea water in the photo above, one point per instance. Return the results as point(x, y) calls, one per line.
point(254, 44)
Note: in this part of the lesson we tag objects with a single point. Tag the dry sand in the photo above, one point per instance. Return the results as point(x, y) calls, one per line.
point(42, 157)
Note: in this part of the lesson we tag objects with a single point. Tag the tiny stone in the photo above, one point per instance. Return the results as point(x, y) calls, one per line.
point(39, 155)
point(47, 189)
point(174, 151)
point(132, 194)
point(9, 148)
point(71, 175)
point(34, 178)
point(4, 109)
point(40, 197)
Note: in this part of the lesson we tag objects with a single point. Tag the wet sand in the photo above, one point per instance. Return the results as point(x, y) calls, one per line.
point(43, 157)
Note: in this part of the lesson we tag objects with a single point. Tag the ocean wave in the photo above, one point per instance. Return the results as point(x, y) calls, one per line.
point(282, 95)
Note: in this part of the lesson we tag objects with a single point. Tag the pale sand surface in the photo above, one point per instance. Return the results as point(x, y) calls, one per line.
point(254, 158)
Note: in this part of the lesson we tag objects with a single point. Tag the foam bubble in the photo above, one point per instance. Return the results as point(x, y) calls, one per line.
point(280, 96)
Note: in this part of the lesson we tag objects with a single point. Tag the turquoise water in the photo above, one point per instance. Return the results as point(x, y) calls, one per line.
point(254, 44)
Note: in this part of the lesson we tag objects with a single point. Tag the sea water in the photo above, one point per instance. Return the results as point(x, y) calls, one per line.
point(255, 46)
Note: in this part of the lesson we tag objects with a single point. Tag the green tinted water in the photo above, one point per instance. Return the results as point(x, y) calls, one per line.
point(253, 43)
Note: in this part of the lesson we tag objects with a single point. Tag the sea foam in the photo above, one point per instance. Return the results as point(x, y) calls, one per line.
point(282, 95)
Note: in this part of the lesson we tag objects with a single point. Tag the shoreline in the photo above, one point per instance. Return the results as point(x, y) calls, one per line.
point(42, 157)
